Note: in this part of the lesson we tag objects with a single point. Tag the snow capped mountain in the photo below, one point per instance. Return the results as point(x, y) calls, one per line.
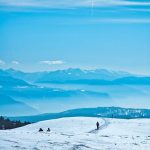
point(79, 133)
point(71, 76)
point(30, 77)
point(78, 74)
point(67, 74)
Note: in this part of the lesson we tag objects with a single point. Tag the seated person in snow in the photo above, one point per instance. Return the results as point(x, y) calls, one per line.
point(40, 130)
point(48, 130)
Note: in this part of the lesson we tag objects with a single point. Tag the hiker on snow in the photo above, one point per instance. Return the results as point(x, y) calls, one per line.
point(97, 125)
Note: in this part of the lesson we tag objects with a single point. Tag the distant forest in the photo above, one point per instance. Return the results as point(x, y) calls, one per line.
point(6, 123)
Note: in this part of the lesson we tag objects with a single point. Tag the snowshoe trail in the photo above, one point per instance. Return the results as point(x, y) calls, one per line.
point(103, 126)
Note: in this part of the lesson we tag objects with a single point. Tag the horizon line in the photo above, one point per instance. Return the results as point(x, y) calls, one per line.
point(82, 69)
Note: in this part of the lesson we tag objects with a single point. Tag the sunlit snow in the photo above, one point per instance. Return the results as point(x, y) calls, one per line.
point(79, 133)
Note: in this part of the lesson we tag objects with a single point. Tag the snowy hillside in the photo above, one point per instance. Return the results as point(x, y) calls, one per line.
point(79, 134)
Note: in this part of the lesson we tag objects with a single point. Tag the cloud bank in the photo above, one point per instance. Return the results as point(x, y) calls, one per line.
point(2, 62)
point(52, 62)
point(15, 62)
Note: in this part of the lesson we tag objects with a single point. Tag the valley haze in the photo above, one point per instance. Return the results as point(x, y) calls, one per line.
point(60, 90)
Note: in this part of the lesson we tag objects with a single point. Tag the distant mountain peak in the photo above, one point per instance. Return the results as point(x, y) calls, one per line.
point(67, 74)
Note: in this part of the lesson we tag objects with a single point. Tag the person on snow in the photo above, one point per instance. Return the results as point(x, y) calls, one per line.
point(48, 130)
point(97, 125)
point(40, 130)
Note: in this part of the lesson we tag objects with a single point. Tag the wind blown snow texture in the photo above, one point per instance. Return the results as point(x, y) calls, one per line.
point(79, 133)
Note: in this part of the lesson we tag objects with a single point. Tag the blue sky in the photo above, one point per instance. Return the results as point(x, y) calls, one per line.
point(46, 35)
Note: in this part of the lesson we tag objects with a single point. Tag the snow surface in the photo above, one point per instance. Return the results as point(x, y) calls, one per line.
point(79, 133)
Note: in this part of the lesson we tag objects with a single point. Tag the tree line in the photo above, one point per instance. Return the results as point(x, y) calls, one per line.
point(6, 123)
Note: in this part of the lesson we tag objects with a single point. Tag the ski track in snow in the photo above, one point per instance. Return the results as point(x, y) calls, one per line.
point(103, 126)
point(78, 134)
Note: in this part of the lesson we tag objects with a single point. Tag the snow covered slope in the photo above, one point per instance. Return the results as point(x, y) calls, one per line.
point(79, 134)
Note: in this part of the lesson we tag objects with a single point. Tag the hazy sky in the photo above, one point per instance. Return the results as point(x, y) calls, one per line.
point(49, 34)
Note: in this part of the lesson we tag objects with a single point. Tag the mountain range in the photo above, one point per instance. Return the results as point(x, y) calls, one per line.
point(68, 89)
point(71, 76)
point(67, 74)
